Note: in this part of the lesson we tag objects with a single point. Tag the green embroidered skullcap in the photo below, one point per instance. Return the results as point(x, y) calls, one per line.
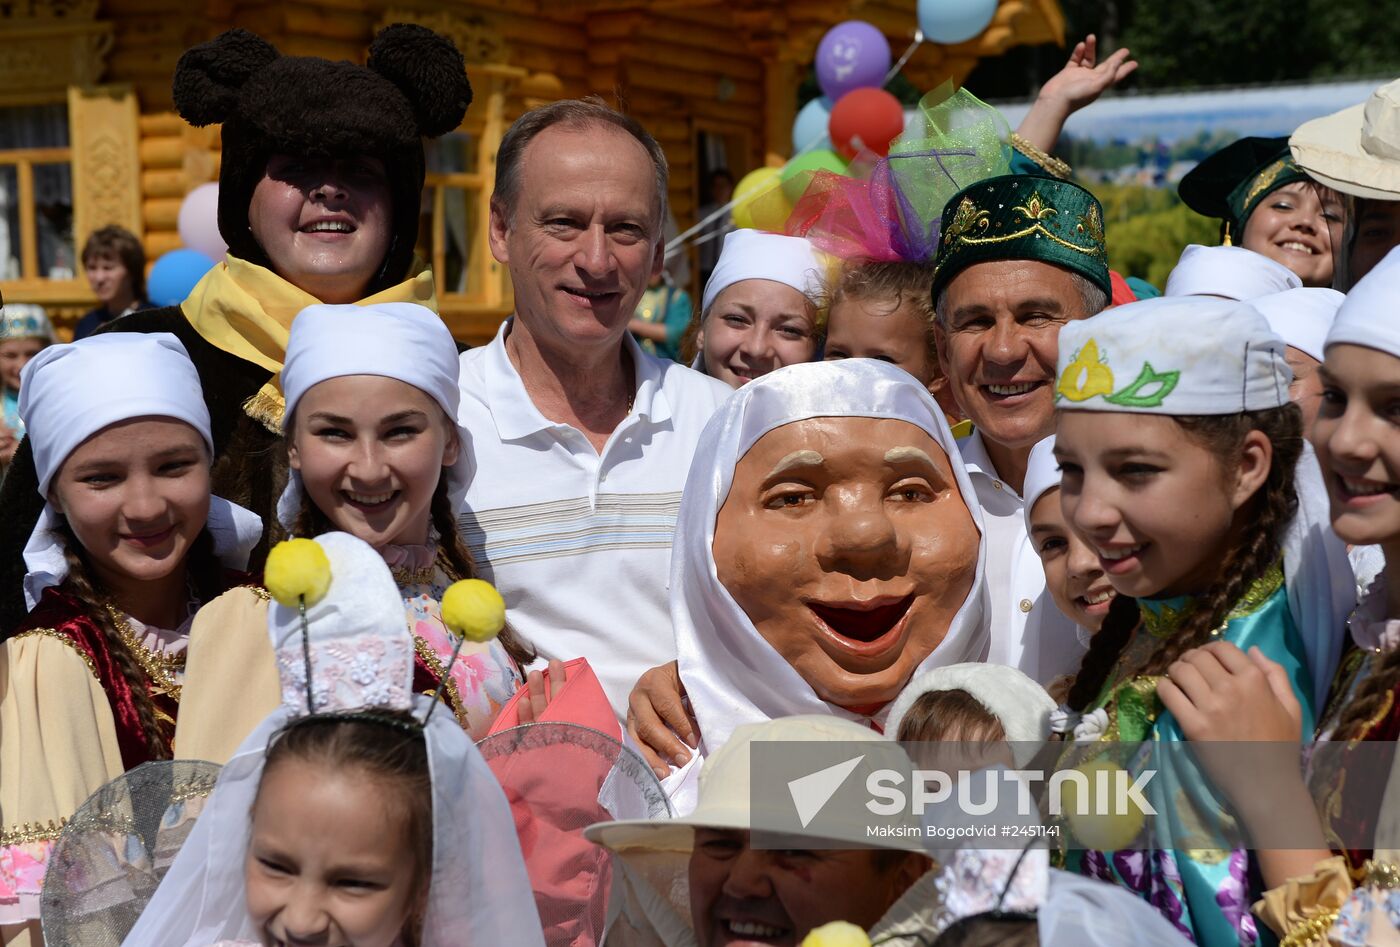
point(1178, 355)
point(1022, 217)
point(1229, 184)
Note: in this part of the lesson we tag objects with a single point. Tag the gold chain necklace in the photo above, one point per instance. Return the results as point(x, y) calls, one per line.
point(160, 668)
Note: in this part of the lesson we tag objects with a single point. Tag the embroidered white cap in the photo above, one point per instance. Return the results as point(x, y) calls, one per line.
point(1172, 356)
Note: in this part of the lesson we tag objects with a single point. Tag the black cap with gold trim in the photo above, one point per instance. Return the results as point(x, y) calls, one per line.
point(1231, 183)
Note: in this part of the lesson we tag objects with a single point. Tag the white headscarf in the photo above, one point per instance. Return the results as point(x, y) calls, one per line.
point(361, 657)
point(753, 254)
point(404, 341)
point(1301, 317)
point(1232, 272)
point(732, 675)
point(70, 392)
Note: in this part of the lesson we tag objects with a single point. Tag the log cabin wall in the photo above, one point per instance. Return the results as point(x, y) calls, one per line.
point(682, 67)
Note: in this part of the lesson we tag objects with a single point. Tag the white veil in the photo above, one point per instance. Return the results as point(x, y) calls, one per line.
point(360, 656)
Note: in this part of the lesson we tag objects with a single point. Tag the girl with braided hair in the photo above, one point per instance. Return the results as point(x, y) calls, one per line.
point(1178, 445)
point(1221, 695)
point(129, 543)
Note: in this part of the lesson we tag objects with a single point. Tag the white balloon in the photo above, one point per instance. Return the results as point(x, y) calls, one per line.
point(199, 222)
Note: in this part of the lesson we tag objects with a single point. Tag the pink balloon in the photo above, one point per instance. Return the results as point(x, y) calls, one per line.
point(199, 222)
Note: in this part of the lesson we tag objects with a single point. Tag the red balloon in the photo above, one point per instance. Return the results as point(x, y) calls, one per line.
point(865, 118)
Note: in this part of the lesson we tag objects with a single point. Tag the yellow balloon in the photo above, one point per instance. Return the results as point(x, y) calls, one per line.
point(751, 186)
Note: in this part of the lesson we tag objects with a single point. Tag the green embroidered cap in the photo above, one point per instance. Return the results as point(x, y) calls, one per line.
point(1231, 183)
point(1022, 217)
point(1178, 355)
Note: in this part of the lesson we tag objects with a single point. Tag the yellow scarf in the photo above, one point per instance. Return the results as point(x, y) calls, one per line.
point(247, 311)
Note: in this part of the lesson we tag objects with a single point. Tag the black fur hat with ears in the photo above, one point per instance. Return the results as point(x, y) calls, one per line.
point(413, 86)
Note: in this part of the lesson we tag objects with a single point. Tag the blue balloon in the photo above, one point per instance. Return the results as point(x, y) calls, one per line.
point(852, 55)
point(955, 21)
point(809, 131)
point(175, 274)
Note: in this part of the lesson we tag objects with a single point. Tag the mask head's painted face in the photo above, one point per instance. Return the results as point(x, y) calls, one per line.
point(850, 548)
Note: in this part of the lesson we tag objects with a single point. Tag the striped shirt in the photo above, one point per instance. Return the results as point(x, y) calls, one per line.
point(579, 543)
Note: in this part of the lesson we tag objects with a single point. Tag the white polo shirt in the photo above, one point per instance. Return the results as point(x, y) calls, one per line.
point(578, 543)
point(1027, 630)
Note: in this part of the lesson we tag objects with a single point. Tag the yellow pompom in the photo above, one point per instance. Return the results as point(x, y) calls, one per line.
point(1103, 827)
point(837, 934)
point(297, 570)
point(474, 609)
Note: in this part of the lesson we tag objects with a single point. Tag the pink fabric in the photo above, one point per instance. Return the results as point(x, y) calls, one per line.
point(22, 869)
point(409, 557)
point(554, 797)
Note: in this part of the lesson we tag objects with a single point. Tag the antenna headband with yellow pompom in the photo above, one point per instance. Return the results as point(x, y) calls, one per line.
point(343, 645)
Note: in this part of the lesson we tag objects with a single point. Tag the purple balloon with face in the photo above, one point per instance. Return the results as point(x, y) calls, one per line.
point(852, 55)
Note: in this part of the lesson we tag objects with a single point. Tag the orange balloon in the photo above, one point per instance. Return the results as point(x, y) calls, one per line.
point(865, 118)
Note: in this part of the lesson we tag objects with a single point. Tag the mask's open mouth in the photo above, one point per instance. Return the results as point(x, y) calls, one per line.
point(863, 624)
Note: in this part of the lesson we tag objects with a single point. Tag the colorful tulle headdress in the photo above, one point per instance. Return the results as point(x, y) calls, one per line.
point(954, 139)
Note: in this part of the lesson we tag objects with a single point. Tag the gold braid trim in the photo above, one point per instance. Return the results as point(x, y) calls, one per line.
point(435, 665)
point(1381, 874)
point(1311, 932)
point(260, 593)
point(51, 633)
point(29, 832)
point(1050, 163)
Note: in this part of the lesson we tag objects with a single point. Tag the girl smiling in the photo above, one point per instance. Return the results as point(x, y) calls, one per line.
point(374, 450)
point(129, 543)
point(1178, 444)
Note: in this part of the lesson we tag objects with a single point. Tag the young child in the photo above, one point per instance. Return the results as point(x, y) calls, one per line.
point(284, 853)
point(24, 332)
point(1177, 445)
point(1221, 695)
point(884, 310)
point(1078, 587)
point(374, 450)
point(972, 703)
point(129, 543)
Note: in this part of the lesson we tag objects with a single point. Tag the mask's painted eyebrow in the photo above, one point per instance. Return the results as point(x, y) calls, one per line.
point(797, 460)
point(896, 455)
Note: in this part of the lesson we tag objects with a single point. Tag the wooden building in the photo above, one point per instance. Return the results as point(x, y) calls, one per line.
point(88, 137)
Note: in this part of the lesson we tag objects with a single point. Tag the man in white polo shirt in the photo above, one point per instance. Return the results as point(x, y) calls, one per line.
point(581, 441)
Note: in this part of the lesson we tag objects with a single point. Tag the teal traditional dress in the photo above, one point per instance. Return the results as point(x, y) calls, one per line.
point(1204, 889)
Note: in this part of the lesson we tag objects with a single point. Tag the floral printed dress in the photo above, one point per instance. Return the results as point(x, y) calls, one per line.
point(1203, 889)
point(484, 676)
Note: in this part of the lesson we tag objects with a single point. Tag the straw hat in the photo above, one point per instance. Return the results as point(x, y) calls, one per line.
point(724, 793)
point(1357, 150)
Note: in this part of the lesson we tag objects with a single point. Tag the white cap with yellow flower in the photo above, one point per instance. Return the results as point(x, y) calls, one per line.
point(1173, 356)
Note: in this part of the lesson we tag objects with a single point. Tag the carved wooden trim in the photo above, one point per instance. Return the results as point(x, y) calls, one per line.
point(106, 160)
point(48, 45)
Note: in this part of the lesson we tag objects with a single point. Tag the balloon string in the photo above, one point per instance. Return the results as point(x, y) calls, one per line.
point(680, 240)
point(894, 70)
